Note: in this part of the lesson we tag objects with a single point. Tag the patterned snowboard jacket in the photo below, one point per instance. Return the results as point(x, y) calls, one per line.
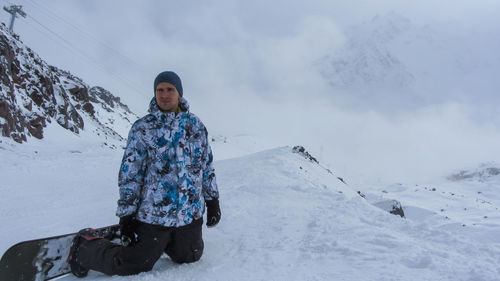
point(166, 172)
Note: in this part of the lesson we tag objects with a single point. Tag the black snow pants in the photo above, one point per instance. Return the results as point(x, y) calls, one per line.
point(183, 245)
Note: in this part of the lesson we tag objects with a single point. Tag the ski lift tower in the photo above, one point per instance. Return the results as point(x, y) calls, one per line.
point(13, 10)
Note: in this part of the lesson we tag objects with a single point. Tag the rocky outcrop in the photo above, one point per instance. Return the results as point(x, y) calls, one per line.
point(302, 151)
point(389, 205)
point(34, 94)
point(483, 172)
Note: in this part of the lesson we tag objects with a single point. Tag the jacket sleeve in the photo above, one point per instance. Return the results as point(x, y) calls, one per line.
point(209, 184)
point(132, 172)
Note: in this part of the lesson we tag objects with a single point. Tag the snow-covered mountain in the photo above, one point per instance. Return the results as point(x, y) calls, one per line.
point(485, 172)
point(366, 60)
point(35, 94)
point(391, 60)
point(284, 217)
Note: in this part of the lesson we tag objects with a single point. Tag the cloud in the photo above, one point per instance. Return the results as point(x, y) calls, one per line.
point(415, 146)
point(248, 67)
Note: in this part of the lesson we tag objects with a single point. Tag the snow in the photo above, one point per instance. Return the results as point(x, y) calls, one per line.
point(283, 216)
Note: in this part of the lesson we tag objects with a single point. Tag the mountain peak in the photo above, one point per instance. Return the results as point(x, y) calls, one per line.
point(366, 65)
point(381, 29)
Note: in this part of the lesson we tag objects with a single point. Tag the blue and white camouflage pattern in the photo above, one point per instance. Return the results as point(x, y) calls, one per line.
point(166, 172)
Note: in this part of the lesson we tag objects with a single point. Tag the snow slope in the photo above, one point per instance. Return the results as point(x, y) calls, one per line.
point(283, 217)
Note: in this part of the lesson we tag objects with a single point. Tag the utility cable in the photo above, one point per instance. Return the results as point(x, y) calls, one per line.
point(75, 49)
point(55, 16)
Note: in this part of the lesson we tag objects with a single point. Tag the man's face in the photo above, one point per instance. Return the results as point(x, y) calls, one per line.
point(167, 97)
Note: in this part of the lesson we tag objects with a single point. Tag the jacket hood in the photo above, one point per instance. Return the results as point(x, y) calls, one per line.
point(154, 109)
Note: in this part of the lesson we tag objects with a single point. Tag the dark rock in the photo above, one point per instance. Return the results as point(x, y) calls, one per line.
point(89, 108)
point(302, 151)
point(392, 206)
point(80, 94)
point(29, 106)
point(361, 194)
point(101, 95)
point(37, 98)
point(36, 127)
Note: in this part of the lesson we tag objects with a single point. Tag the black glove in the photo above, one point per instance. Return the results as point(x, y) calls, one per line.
point(213, 212)
point(128, 225)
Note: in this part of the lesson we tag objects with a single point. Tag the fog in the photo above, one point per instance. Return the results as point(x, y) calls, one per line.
point(252, 68)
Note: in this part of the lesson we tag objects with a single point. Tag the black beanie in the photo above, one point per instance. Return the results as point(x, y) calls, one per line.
point(169, 77)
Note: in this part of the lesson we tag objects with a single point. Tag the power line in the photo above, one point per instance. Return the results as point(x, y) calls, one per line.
point(55, 16)
point(78, 51)
point(61, 41)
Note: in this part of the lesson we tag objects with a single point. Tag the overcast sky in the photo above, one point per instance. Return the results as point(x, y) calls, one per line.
point(248, 67)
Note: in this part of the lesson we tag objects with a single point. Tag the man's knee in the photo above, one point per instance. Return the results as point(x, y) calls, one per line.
point(187, 256)
point(196, 255)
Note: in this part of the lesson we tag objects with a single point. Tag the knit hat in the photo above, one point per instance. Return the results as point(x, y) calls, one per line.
point(169, 77)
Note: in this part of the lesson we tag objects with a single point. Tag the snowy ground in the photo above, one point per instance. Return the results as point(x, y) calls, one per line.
point(283, 217)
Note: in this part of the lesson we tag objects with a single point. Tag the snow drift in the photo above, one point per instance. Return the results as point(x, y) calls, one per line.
point(284, 217)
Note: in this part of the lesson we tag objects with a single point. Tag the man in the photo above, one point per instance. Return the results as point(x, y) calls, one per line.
point(166, 179)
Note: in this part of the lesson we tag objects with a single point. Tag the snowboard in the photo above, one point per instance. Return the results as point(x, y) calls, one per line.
point(44, 259)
